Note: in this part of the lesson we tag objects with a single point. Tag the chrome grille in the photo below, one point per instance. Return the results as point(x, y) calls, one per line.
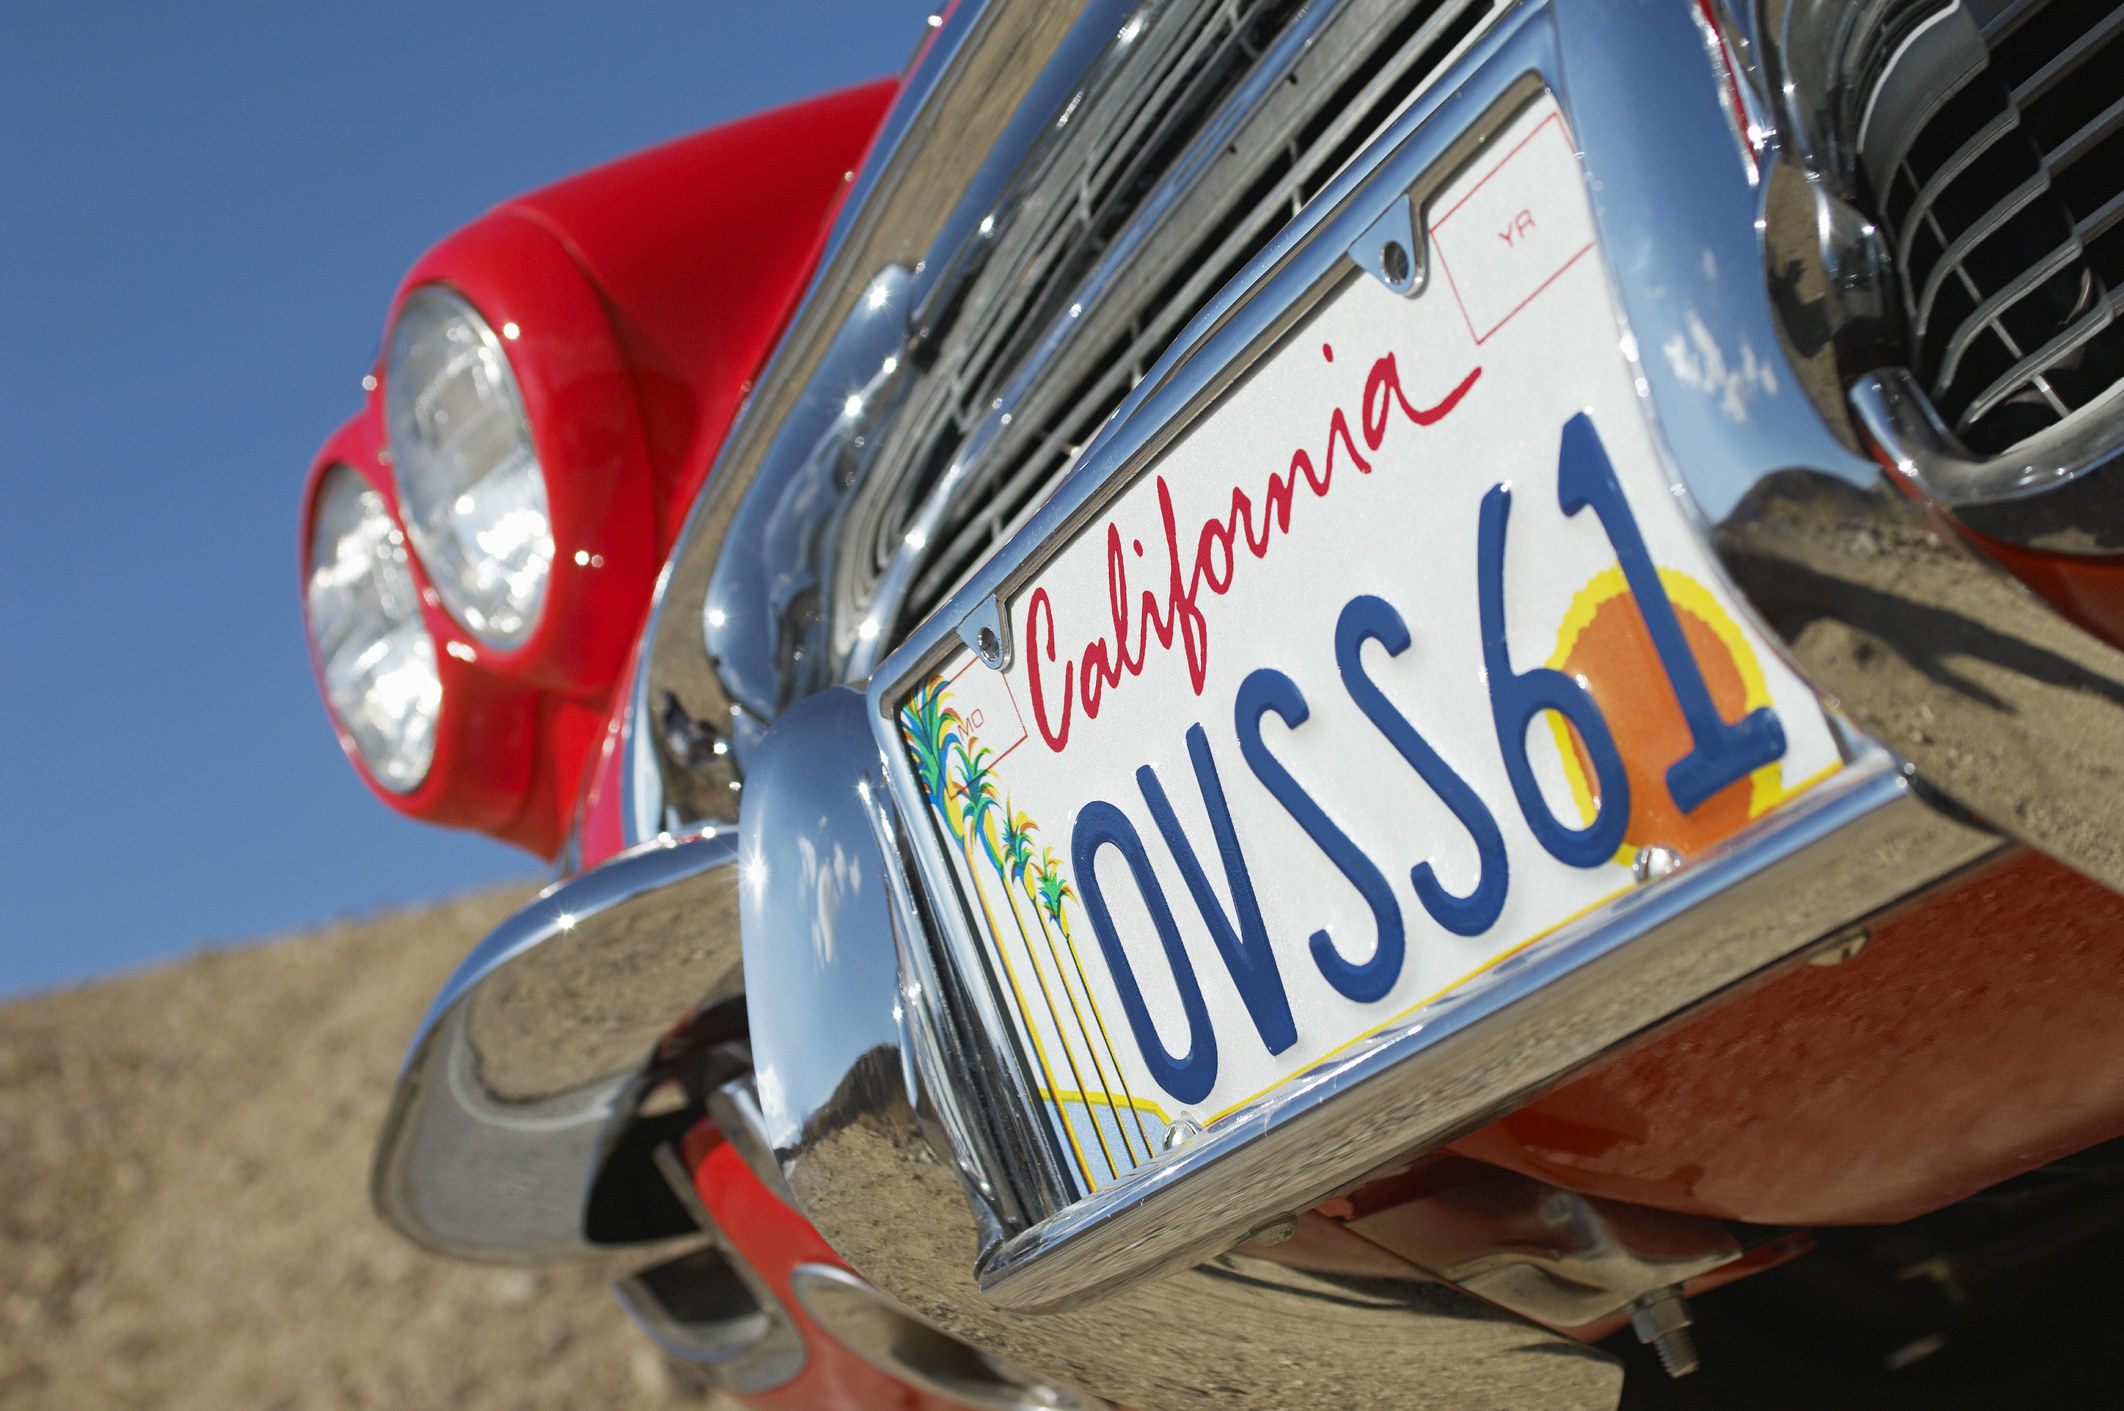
point(2005, 212)
point(1167, 174)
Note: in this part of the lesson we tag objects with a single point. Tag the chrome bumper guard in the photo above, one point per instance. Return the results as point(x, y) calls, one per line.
point(530, 1063)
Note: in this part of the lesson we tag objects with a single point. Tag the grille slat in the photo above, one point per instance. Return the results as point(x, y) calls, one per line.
point(2006, 21)
point(2043, 359)
point(1994, 305)
point(2038, 84)
point(1963, 158)
point(1359, 107)
point(2100, 221)
point(1982, 228)
point(2007, 212)
point(1197, 148)
point(1060, 219)
point(1071, 245)
point(2101, 127)
point(1017, 504)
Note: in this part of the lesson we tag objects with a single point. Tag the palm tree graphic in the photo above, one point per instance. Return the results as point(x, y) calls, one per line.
point(1047, 889)
point(1015, 834)
point(975, 790)
point(958, 773)
point(934, 732)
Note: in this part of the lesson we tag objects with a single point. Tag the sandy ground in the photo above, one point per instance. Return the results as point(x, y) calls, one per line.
point(184, 1218)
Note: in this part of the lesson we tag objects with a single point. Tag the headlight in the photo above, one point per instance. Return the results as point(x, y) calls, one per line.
point(364, 617)
point(469, 482)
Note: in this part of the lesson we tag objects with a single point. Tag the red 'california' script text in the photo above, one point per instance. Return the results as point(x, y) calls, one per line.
point(1102, 666)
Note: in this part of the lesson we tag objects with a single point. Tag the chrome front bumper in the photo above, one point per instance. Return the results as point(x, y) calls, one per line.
point(1979, 713)
point(1674, 209)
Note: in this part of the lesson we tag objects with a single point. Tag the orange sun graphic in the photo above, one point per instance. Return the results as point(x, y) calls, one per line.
point(1604, 645)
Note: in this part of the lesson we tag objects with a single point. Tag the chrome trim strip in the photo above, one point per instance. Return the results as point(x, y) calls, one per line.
point(2041, 492)
point(961, 245)
point(927, 77)
point(840, 982)
point(1644, 108)
point(533, 1056)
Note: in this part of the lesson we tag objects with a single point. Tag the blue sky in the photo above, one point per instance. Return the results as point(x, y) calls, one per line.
point(203, 210)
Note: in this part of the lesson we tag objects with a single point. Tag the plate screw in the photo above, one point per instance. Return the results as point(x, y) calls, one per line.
point(987, 631)
point(1395, 261)
point(1182, 1131)
point(1662, 1319)
point(1654, 862)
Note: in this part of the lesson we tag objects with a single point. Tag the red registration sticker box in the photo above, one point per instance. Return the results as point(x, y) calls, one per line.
point(1509, 238)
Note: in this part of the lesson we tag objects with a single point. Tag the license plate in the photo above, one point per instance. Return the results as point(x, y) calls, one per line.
point(1402, 657)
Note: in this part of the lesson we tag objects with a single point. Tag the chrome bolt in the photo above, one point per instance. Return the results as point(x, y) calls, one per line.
point(1394, 260)
point(986, 630)
point(1662, 1319)
point(1182, 1131)
point(1654, 862)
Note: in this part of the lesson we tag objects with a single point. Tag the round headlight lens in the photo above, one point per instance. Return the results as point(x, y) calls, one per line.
point(364, 617)
point(469, 482)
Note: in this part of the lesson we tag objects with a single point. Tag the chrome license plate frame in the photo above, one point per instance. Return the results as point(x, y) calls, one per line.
point(1180, 1203)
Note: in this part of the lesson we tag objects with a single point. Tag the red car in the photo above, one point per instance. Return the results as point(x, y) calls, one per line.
point(1379, 702)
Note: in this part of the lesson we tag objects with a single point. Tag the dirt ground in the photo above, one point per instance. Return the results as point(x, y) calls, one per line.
point(184, 1218)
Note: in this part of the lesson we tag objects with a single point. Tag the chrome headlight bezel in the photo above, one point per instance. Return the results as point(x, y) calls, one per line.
point(376, 660)
point(479, 514)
